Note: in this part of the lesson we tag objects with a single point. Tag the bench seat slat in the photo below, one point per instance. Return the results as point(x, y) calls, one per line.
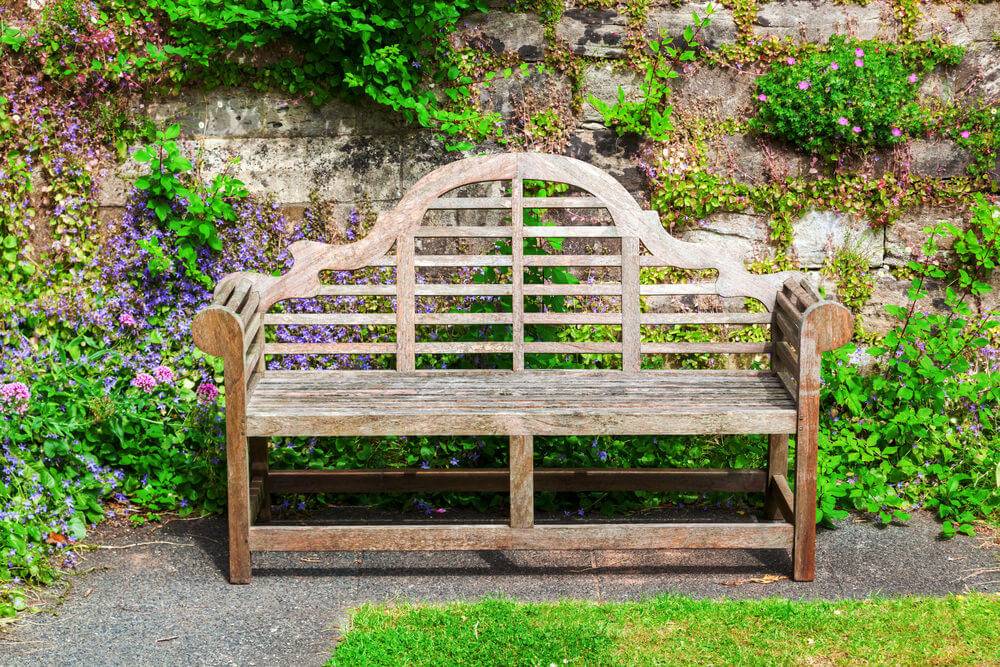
point(339, 403)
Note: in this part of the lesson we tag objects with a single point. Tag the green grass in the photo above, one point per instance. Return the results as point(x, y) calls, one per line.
point(677, 630)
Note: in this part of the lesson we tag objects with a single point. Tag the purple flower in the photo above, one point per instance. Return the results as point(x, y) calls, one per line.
point(896, 132)
point(163, 375)
point(859, 53)
point(144, 382)
point(207, 393)
point(128, 320)
point(834, 65)
point(803, 85)
point(790, 60)
point(856, 129)
point(842, 121)
point(964, 134)
point(762, 97)
point(859, 63)
point(912, 78)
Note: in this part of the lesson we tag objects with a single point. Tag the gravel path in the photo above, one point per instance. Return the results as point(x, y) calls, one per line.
point(168, 603)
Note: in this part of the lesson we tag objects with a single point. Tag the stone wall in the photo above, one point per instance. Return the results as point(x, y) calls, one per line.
point(350, 152)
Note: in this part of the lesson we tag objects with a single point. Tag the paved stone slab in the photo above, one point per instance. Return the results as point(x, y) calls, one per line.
point(167, 602)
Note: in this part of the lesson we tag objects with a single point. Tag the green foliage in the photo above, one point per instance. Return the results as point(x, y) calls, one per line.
point(854, 96)
point(921, 425)
point(855, 284)
point(185, 206)
point(650, 116)
point(391, 51)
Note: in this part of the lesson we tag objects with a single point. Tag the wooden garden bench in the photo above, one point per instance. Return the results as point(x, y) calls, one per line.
point(520, 403)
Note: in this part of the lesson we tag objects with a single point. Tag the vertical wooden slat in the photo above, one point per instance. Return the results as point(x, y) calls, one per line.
point(405, 303)
point(777, 464)
point(631, 338)
point(259, 471)
point(522, 483)
point(517, 269)
point(806, 454)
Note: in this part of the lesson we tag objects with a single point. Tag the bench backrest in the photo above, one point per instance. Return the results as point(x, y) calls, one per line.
point(404, 239)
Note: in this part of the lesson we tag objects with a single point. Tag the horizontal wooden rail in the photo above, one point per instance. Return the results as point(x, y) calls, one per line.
point(749, 480)
point(463, 231)
point(706, 348)
point(504, 203)
point(463, 318)
point(356, 290)
point(588, 232)
point(329, 348)
point(742, 535)
point(706, 318)
point(585, 347)
point(340, 319)
point(573, 260)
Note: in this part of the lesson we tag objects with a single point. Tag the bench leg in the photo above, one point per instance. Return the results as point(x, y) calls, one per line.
point(804, 545)
point(239, 509)
point(258, 469)
point(777, 464)
point(522, 483)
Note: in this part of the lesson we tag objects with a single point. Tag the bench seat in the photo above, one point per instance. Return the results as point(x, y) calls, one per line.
point(372, 403)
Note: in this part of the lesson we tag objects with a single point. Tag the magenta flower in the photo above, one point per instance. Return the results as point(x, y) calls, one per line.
point(144, 382)
point(163, 374)
point(856, 130)
point(859, 63)
point(790, 60)
point(834, 65)
point(912, 78)
point(842, 121)
point(15, 395)
point(762, 97)
point(964, 134)
point(803, 85)
point(859, 53)
point(126, 319)
point(207, 393)
point(896, 132)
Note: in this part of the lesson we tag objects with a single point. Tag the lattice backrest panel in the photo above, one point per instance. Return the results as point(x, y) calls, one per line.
point(606, 255)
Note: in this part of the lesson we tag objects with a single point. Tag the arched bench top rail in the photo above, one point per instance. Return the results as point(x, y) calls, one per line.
point(312, 257)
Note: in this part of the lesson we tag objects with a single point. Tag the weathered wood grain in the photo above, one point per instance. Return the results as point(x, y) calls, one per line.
point(522, 486)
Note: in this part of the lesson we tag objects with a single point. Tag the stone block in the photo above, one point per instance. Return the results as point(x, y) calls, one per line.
point(503, 32)
point(819, 234)
point(966, 24)
point(938, 158)
point(816, 21)
point(510, 96)
point(713, 92)
point(616, 155)
point(598, 33)
point(602, 81)
point(891, 291)
point(734, 234)
point(754, 160)
point(671, 20)
point(905, 237)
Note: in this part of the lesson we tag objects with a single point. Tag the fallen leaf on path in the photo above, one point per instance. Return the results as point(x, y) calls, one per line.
point(765, 579)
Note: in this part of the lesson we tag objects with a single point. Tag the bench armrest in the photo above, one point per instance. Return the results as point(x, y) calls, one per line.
point(803, 327)
point(231, 327)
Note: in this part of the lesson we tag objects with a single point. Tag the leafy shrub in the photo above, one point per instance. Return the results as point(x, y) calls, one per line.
point(650, 115)
point(388, 50)
point(852, 96)
point(921, 426)
point(183, 205)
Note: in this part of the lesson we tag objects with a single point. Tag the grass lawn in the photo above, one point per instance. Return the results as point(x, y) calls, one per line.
point(678, 630)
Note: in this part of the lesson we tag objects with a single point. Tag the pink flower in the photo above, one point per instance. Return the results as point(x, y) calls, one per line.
point(163, 374)
point(856, 130)
point(859, 53)
point(126, 319)
point(896, 132)
point(207, 393)
point(762, 97)
point(790, 60)
point(964, 134)
point(834, 65)
point(859, 63)
point(842, 121)
point(803, 85)
point(16, 396)
point(144, 382)
point(912, 78)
